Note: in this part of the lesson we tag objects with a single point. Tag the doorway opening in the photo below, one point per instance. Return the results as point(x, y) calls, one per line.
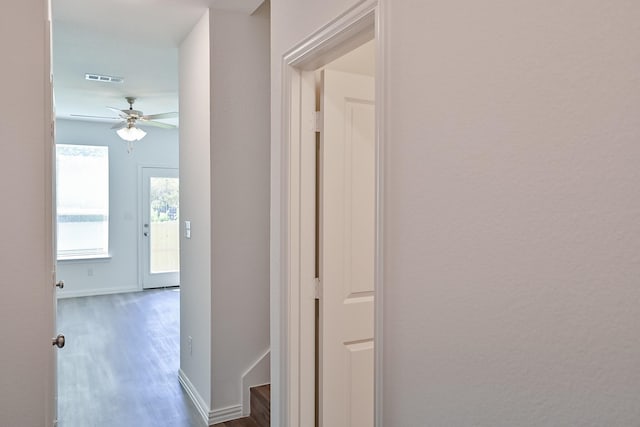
point(121, 357)
point(330, 363)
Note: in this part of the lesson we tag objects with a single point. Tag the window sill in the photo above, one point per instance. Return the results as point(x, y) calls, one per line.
point(85, 258)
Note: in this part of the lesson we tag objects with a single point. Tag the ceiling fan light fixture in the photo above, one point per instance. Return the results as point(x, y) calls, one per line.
point(131, 133)
point(127, 129)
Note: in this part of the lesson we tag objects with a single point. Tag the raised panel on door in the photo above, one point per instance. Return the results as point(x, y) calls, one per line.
point(347, 230)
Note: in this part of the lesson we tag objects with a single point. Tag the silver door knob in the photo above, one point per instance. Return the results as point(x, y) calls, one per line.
point(58, 341)
point(60, 284)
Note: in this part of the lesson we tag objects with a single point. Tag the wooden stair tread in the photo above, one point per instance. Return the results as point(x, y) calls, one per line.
point(262, 392)
point(242, 422)
point(260, 410)
point(261, 405)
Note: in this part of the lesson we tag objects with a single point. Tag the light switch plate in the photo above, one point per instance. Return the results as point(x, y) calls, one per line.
point(187, 229)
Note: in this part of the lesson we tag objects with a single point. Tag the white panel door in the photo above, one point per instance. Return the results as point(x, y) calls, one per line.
point(160, 228)
point(347, 215)
point(52, 238)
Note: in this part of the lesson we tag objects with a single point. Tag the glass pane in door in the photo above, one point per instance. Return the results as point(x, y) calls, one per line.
point(165, 225)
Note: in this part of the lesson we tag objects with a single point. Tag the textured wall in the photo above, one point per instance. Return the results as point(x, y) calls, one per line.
point(225, 193)
point(511, 294)
point(240, 198)
point(511, 209)
point(195, 206)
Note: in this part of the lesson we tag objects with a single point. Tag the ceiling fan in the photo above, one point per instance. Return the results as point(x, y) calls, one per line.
point(127, 129)
point(130, 117)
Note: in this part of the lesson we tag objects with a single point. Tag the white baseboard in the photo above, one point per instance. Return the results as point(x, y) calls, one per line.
point(198, 401)
point(210, 417)
point(257, 374)
point(225, 414)
point(93, 292)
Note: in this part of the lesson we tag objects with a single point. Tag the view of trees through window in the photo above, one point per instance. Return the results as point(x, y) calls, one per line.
point(165, 230)
point(164, 199)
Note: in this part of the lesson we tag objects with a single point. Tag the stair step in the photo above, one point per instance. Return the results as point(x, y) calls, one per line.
point(242, 422)
point(261, 405)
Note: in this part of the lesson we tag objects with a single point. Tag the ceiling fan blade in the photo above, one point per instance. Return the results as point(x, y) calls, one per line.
point(121, 113)
point(160, 116)
point(119, 126)
point(94, 117)
point(156, 124)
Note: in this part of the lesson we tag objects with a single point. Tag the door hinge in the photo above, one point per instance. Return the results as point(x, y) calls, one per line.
point(316, 288)
point(318, 124)
point(53, 129)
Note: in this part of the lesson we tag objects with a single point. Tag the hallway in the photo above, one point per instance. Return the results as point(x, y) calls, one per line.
point(120, 363)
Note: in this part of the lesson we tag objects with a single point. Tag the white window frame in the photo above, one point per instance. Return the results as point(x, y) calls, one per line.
point(85, 254)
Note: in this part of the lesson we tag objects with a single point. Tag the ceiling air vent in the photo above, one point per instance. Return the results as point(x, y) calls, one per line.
point(103, 78)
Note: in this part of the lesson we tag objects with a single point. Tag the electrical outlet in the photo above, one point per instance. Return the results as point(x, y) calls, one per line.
point(90, 271)
point(190, 344)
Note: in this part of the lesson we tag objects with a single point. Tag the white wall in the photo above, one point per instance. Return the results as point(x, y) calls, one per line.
point(195, 206)
point(511, 209)
point(26, 308)
point(120, 272)
point(239, 198)
point(224, 84)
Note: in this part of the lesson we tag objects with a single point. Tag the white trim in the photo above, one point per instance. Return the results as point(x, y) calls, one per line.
point(222, 415)
point(381, 149)
point(85, 258)
point(306, 301)
point(210, 417)
point(258, 374)
point(338, 37)
point(334, 39)
point(198, 401)
point(93, 292)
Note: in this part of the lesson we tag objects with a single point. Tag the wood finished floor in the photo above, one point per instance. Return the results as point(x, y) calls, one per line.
point(242, 422)
point(119, 367)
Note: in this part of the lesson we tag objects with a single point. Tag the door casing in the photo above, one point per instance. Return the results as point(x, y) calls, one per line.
point(293, 371)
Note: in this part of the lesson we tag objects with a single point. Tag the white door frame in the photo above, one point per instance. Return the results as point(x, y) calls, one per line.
point(293, 373)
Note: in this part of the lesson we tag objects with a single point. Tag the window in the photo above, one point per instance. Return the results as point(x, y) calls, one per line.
point(82, 193)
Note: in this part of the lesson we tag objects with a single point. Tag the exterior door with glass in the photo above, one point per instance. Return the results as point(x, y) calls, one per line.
point(160, 228)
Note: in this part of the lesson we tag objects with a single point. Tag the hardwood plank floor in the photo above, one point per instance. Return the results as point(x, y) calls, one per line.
point(242, 422)
point(119, 367)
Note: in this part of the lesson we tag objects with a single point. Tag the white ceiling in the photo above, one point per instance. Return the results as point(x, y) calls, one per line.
point(134, 39)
